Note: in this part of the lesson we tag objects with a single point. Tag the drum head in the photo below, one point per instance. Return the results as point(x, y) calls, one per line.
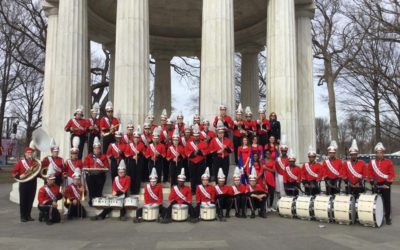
point(379, 212)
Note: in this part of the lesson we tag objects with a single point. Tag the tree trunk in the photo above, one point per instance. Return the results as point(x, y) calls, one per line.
point(378, 136)
point(330, 82)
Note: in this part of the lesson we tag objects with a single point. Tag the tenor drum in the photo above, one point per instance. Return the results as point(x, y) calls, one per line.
point(286, 206)
point(344, 211)
point(305, 207)
point(116, 203)
point(323, 208)
point(131, 202)
point(150, 212)
point(101, 202)
point(370, 210)
point(207, 212)
point(180, 212)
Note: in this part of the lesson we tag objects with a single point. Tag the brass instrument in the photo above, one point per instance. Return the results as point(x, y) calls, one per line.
point(110, 130)
point(31, 173)
point(43, 172)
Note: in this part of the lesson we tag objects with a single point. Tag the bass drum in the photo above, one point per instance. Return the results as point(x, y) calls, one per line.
point(370, 210)
point(323, 208)
point(344, 211)
point(286, 206)
point(305, 207)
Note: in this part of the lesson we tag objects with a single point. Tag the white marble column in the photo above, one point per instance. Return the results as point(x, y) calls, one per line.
point(217, 57)
point(131, 91)
point(305, 87)
point(51, 10)
point(249, 95)
point(282, 67)
point(162, 84)
point(71, 67)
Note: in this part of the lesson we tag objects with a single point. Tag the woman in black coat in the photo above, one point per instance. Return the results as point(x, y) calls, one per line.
point(275, 127)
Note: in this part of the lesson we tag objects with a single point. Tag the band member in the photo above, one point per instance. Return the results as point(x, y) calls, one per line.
point(355, 171)
point(205, 193)
point(187, 136)
point(196, 151)
point(275, 126)
point(128, 137)
point(72, 164)
point(221, 146)
point(180, 194)
point(256, 195)
point(54, 161)
point(27, 190)
point(273, 147)
point(224, 196)
point(115, 153)
point(381, 174)
point(48, 196)
point(224, 118)
point(175, 155)
point(108, 126)
point(146, 137)
point(207, 135)
point(238, 131)
point(150, 118)
point(164, 136)
point(96, 177)
point(196, 120)
point(311, 173)
point(263, 127)
point(244, 153)
point(134, 155)
point(153, 195)
point(332, 170)
point(292, 176)
point(269, 179)
point(281, 163)
point(249, 125)
point(120, 189)
point(256, 147)
point(93, 125)
point(156, 153)
point(239, 195)
point(78, 126)
point(73, 194)
point(180, 123)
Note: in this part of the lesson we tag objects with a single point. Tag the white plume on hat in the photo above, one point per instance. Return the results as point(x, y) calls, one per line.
point(179, 115)
point(153, 176)
point(182, 176)
point(51, 172)
point(53, 145)
point(291, 155)
point(96, 142)
point(172, 118)
point(75, 143)
point(109, 106)
point(120, 131)
point(77, 173)
point(196, 129)
point(239, 109)
point(248, 111)
point(283, 142)
point(146, 123)
point(379, 147)
point(354, 147)
point(236, 173)
point(164, 114)
point(175, 135)
point(137, 131)
point(156, 132)
point(253, 175)
point(262, 109)
point(96, 108)
point(221, 175)
point(150, 114)
point(311, 151)
point(220, 125)
point(122, 165)
point(206, 174)
point(333, 146)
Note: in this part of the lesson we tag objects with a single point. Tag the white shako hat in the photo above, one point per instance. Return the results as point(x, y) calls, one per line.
point(354, 148)
point(175, 135)
point(291, 155)
point(179, 115)
point(221, 176)
point(95, 108)
point(77, 174)
point(146, 124)
point(53, 145)
point(248, 111)
point(253, 175)
point(311, 151)
point(379, 147)
point(164, 115)
point(220, 125)
point(156, 132)
point(121, 165)
point(261, 110)
point(283, 143)
point(182, 176)
point(130, 125)
point(206, 174)
point(137, 132)
point(153, 176)
point(75, 144)
point(222, 106)
point(239, 109)
point(96, 143)
point(236, 173)
point(51, 173)
point(79, 109)
point(120, 132)
point(196, 130)
point(150, 115)
point(109, 106)
point(333, 147)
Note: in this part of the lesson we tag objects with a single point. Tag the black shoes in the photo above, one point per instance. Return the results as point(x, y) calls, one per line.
point(24, 220)
point(30, 219)
point(389, 222)
point(253, 215)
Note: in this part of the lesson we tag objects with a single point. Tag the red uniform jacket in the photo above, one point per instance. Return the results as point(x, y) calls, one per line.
point(185, 140)
point(95, 123)
point(245, 154)
point(260, 173)
point(59, 164)
point(129, 149)
point(185, 191)
point(238, 128)
point(281, 164)
point(336, 165)
point(315, 175)
point(44, 197)
point(294, 172)
point(215, 147)
point(79, 126)
point(126, 139)
point(227, 120)
point(146, 139)
point(69, 192)
point(272, 150)
point(192, 155)
point(157, 191)
point(106, 123)
point(160, 149)
point(256, 188)
point(263, 127)
point(386, 168)
point(201, 197)
point(224, 190)
point(181, 127)
point(269, 176)
point(241, 189)
point(121, 184)
point(180, 151)
point(207, 134)
point(71, 165)
point(115, 150)
point(20, 169)
point(257, 148)
point(92, 161)
point(250, 126)
point(355, 171)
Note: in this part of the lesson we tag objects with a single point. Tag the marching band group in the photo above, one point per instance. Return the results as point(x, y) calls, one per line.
point(175, 153)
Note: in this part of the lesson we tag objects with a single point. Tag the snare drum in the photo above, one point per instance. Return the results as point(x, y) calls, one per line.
point(131, 202)
point(370, 210)
point(207, 212)
point(101, 202)
point(116, 203)
point(150, 212)
point(305, 207)
point(323, 208)
point(180, 212)
point(344, 211)
point(286, 206)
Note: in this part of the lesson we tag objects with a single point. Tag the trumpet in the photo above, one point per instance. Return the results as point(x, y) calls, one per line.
point(110, 130)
